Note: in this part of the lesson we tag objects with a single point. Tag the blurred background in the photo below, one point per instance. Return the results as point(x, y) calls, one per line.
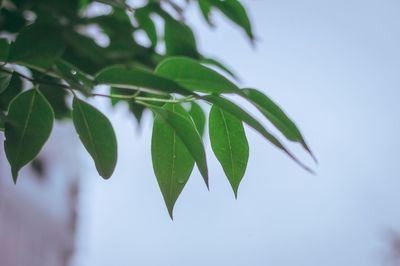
point(334, 67)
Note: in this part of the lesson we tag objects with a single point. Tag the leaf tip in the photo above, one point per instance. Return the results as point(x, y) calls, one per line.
point(14, 176)
point(105, 176)
point(171, 212)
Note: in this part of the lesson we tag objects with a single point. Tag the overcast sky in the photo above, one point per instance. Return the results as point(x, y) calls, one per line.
point(334, 67)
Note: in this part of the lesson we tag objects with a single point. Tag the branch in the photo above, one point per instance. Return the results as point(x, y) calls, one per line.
point(34, 81)
point(145, 99)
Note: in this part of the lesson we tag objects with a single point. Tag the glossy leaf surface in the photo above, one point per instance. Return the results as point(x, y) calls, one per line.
point(187, 132)
point(276, 115)
point(198, 116)
point(138, 79)
point(242, 115)
point(229, 143)
point(29, 124)
point(179, 39)
point(97, 135)
point(235, 11)
point(172, 162)
point(193, 75)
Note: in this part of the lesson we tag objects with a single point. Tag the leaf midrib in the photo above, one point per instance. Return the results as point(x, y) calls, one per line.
point(25, 128)
point(90, 137)
point(229, 143)
point(173, 163)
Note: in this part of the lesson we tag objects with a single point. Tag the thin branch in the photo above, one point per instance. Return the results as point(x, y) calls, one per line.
point(144, 99)
point(34, 81)
point(18, 74)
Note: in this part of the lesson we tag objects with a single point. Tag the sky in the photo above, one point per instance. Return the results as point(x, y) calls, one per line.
point(334, 68)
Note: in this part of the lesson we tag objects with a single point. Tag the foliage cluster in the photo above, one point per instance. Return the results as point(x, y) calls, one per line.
point(46, 46)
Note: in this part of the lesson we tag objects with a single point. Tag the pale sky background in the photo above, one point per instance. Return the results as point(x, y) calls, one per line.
point(334, 67)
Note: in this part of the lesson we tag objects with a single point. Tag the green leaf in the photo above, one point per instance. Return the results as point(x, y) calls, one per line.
point(75, 77)
point(172, 162)
point(4, 50)
point(32, 119)
point(37, 46)
point(115, 3)
point(138, 79)
point(12, 20)
point(56, 97)
point(205, 8)
point(2, 120)
point(186, 131)
point(179, 39)
point(229, 143)
point(13, 89)
point(242, 115)
point(97, 135)
point(193, 75)
point(5, 79)
point(198, 116)
point(142, 15)
point(277, 116)
point(235, 11)
point(216, 63)
point(136, 109)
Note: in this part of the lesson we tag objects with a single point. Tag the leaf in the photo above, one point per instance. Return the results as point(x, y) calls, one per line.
point(37, 46)
point(277, 116)
point(13, 89)
point(32, 119)
point(136, 109)
point(97, 135)
point(229, 143)
point(84, 53)
point(75, 77)
point(2, 120)
point(136, 79)
point(56, 97)
point(4, 50)
point(205, 8)
point(11, 20)
point(198, 116)
point(142, 15)
point(5, 79)
point(192, 75)
point(172, 162)
point(235, 11)
point(216, 63)
point(186, 131)
point(242, 115)
point(179, 39)
point(115, 3)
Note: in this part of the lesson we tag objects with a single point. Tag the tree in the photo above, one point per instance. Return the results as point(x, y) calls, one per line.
point(47, 44)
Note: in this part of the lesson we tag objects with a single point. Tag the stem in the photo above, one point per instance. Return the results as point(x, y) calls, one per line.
point(18, 74)
point(144, 99)
point(113, 96)
point(34, 81)
point(149, 99)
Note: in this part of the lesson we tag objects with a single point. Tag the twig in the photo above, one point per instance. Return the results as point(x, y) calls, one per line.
point(34, 81)
point(144, 99)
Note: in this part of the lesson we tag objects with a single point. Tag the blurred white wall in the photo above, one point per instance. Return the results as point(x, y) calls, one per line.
point(38, 215)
